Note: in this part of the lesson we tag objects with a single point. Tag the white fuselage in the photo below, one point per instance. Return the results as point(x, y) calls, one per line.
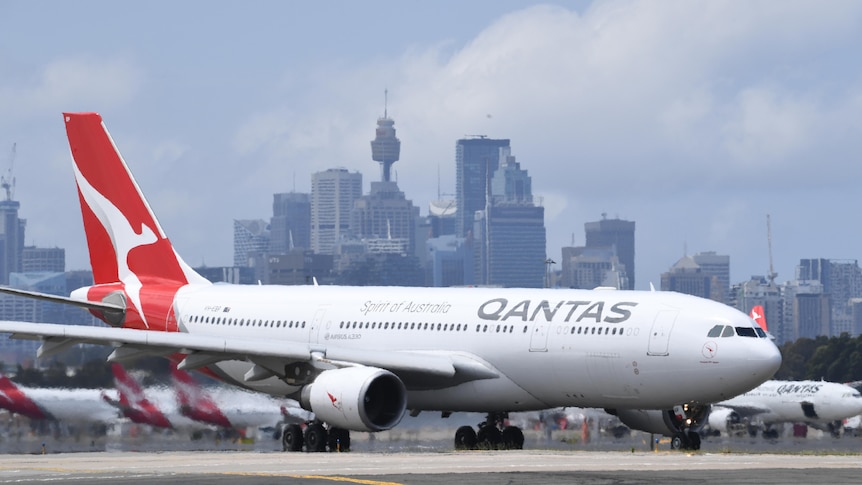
point(813, 402)
point(623, 349)
point(71, 405)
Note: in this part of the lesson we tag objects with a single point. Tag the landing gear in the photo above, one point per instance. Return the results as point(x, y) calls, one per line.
point(465, 438)
point(315, 439)
point(339, 440)
point(687, 419)
point(291, 438)
point(685, 440)
point(493, 435)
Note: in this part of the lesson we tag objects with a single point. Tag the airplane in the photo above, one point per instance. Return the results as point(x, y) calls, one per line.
point(819, 404)
point(822, 405)
point(68, 406)
point(359, 358)
point(231, 409)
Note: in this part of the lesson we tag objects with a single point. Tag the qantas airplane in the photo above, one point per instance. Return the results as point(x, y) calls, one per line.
point(231, 409)
point(135, 405)
point(821, 405)
point(71, 406)
point(360, 357)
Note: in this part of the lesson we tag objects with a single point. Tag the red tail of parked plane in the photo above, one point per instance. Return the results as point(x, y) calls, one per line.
point(759, 316)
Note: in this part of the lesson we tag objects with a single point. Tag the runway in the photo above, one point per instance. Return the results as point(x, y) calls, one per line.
point(477, 467)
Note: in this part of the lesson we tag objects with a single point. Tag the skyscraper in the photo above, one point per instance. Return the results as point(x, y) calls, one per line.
point(509, 233)
point(11, 238)
point(717, 265)
point(385, 213)
point(476, 160)
point(290, 226)
point(619, 234)
point(333, 193)
point(250, 239)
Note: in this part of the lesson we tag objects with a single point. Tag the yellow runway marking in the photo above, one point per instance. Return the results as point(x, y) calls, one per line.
point(331, 478)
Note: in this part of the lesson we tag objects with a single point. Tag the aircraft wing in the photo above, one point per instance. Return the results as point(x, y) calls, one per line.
point(745, 410)
point(418, 369)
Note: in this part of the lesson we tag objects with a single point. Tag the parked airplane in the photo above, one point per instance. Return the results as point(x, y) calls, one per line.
point(69, 406)
point(231, 409)
point(358, 358)
point(819, 404)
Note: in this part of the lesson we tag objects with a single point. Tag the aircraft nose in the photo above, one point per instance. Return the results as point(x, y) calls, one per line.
point(765, 358)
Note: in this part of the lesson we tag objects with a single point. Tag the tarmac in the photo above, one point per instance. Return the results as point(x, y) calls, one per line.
point(474, 467)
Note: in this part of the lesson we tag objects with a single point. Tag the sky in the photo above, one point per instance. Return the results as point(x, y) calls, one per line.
point(693, 119)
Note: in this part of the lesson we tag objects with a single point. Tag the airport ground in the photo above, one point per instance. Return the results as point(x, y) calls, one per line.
point(421, 454)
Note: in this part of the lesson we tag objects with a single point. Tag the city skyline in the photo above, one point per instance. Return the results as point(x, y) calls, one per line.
point(695, 121)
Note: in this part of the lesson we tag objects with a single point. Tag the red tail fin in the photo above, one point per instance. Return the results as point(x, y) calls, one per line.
point(129, 252)
point(195, 403)
point(759, 316)
point(133, 403)
point(13, 399)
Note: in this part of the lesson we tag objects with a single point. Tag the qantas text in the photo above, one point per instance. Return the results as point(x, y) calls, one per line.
point(566, 311)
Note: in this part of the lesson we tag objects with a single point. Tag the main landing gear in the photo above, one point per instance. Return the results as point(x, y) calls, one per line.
point(315, 438)
point(493, 434)
point(688, 418)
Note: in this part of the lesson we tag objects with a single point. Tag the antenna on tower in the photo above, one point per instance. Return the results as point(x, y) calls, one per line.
point(386, 103)
point(8, 182)
point(772, 273)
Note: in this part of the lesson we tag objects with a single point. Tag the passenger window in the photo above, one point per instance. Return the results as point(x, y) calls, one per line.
point(746, 332)
point(715, 331)
point(728, 332)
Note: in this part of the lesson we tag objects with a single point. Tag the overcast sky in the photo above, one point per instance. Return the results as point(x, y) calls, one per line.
point(693, 119)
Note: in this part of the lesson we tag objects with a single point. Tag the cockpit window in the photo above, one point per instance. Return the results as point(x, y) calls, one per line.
point(746, 332)
point(760, 332)
point(715, 331)
point(728, 331)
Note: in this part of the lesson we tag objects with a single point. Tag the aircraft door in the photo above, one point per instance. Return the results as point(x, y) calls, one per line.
point(539, 338)
point(316, 325)
point(659, 336)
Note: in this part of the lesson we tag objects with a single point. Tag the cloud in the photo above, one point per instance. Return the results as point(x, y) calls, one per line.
point(70, 84)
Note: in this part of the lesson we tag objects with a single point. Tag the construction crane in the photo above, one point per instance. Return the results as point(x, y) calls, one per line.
point(7, 182)
point(772, 274)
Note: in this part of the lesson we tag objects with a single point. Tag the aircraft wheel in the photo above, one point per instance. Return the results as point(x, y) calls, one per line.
point(291, 438)
point(693, 440)
point(513, 438)
point(465, 438)
point(676, 443)
point(489, 437)
point(315, 438)
point(339, 439)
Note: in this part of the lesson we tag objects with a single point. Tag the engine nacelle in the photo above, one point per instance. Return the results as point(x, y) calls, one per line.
point(356, 398)
point(649, 420)
point(721, 419)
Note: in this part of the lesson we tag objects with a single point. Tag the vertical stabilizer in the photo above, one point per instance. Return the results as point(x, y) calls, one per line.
point(125, 240)
point(194, 402)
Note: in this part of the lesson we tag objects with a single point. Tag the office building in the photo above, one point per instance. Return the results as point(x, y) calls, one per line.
point(450, 261)
point(685, 276)
point(476, 160)
point(35, 259)
point(588, 268)
point(509, 234)
point(290, 225)
point(333, 193)
point(11, 237)
point(717, 265)
point(250, 238)
point(615, 233)
point(385, 218)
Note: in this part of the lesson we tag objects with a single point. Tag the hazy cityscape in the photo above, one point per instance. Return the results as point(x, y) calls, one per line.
point(491, 232)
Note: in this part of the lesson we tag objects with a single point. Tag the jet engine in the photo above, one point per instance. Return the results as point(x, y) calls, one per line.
point(722, 419)
point(356, 398)
point(666, 423)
